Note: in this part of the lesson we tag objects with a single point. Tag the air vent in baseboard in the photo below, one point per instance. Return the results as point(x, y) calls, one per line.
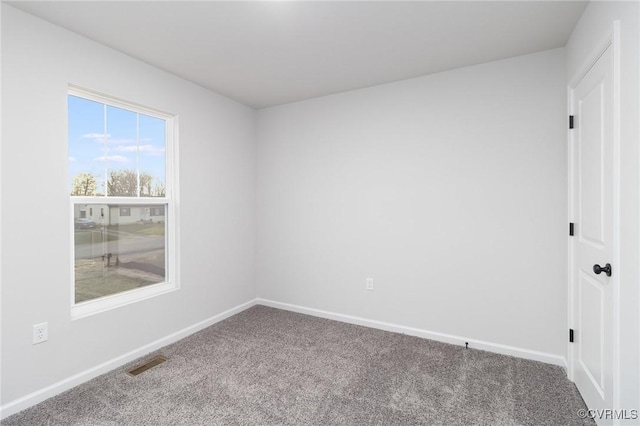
point(147, 365)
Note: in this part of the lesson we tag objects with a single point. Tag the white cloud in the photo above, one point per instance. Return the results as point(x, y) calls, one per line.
point(114, 158)
point(128, 141)
point(100, 136)
point(104, 137)
point(72, 159)
point(149, 149)
point(122, 148)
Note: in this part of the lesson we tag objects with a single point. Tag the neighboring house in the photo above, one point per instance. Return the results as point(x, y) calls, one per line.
point(103, 214)
point(99, 213)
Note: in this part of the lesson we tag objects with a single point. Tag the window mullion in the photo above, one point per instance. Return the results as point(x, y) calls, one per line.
point(106, 152)
point(138, 151)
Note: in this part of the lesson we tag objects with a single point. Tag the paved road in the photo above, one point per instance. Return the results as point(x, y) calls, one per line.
point(127, 244)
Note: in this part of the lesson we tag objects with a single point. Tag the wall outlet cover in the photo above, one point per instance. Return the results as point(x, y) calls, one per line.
point(40, 333)
point(369, 285)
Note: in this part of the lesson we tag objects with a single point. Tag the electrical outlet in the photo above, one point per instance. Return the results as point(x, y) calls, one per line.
point(369, 285)
point(40, 333)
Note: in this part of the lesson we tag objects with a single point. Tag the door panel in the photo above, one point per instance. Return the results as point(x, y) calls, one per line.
point(591, 330)
point(591, 156)
point(592, 200)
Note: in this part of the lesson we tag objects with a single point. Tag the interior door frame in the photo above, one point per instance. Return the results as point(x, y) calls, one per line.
point(612, 40)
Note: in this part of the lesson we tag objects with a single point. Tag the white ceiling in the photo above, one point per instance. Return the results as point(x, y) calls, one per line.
point(270, 53)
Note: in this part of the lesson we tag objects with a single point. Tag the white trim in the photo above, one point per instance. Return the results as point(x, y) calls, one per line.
point(38, 396)
point(103, 304)
point(1, 340)
point(425, 334)
point(63, 385)
point(615, 44)
point(169, 201)
point(591, 60)
point(102, 98)
point(128, 201)
point(570, 239)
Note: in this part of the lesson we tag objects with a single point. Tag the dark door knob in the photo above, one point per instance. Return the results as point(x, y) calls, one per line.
point(607, 269)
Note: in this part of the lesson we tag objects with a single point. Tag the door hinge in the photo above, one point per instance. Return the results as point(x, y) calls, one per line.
point(571, 228)
point(571, 335)
point(571, 121)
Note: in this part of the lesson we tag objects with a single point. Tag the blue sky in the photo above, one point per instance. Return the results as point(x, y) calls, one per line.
point(126, 140)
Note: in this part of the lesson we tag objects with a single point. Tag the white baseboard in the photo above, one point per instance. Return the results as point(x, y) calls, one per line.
point(33, 398)
point(38, 396)
point(425, 334)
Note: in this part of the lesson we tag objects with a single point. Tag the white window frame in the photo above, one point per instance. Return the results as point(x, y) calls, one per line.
point(169, 201)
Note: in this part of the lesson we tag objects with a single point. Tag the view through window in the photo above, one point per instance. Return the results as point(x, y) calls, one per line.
point(118, 185)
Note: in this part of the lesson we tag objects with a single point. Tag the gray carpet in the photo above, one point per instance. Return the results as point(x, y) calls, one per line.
point(266, 366)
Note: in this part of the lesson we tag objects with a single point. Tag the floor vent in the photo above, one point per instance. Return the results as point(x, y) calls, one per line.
point(147, 365)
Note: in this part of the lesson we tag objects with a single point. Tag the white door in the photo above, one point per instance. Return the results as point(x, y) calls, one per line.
point(593, 240)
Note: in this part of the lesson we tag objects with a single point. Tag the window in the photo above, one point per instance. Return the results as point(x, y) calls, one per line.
point(120, 153)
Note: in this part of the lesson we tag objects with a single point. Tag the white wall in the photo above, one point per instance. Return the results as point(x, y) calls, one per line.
point(449, 190)
point(593, 27)
point(217, 159)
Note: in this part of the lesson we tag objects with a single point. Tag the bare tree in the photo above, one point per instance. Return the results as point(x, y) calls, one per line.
point(124, 183)
point(159, 190)
point(84, 184)
point(145, 184)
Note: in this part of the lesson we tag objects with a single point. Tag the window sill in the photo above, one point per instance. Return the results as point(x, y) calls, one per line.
point(103, 304)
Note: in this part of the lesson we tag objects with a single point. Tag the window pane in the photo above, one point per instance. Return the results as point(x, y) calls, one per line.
point(87, 146)
point(152, 156)
point(116, 252)
point(121, 163)
point(115, 151)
